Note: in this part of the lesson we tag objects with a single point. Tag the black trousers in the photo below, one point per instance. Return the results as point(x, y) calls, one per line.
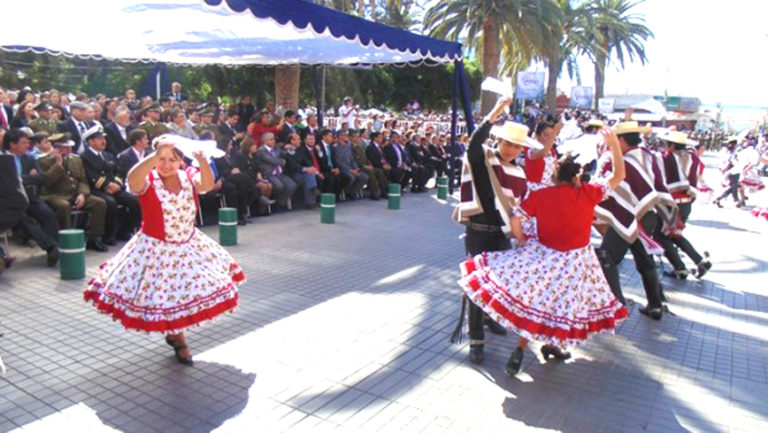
point(39, 223)
point(733, 187)
point(475, 243)
point(612, 251)
point(398, 175)
point(420, 175)
point(671, 244)
point(120, 226)
point(239, 190)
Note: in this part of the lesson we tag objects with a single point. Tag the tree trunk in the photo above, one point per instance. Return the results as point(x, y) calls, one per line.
point(287, 85)
point(554, 66)
point(600, 61)
point(373, 10)
point(599, 79)
point(360, 4)
point(490, 60)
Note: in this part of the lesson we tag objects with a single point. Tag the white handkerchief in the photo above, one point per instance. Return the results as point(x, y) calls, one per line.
point(503, 88)
point(188, 147)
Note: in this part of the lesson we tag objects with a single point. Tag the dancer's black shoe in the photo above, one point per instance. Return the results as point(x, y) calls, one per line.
point(476, 355)
point(653, 313)
point(514, 363)
point(549, 350)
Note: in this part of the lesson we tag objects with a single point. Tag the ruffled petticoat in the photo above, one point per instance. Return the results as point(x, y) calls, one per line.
point(157, 286)
point(542, 294)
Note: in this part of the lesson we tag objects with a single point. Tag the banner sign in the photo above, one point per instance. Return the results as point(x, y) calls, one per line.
point(530, 85)
point(581, 97)
point(606, 105)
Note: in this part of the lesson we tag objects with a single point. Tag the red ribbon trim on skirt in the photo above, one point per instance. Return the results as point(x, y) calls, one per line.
point(160, 325)
point(535, 328)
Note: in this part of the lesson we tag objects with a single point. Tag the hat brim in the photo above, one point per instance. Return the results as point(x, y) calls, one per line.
point(528, 142)
point(68, 143)
point(638, 130)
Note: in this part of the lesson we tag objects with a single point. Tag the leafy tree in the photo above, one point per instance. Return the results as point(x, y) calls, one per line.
point(575, 34)
point(619, 32)
point(519, 25)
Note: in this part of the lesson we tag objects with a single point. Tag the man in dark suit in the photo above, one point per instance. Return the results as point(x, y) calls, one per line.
point(329, 165)
point(375, 154)
point(39, 221)
point(238, 188)
point(394, 155)
point(101, 170)
point(244, 112)
point(139, 142)
point(6, 113)
point(312, 128)
point(13, 201)
point(311, 177)
point(421, 171)
point(289, 127)
point(272, 160)
point(76, 125)
point(228, 130)
point(117, 131)
point(176, 92)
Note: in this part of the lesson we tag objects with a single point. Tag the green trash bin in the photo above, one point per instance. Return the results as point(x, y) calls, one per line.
point(394, 196)
point(442, 187)
point(327, 208)
point(228, 226)
point(72, 250)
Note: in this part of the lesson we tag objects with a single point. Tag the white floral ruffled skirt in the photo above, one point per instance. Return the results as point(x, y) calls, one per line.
point(546, 295)
point(157, 286)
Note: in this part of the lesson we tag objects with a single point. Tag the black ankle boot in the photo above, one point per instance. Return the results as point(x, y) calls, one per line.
point(550, 350)
point(653, 313)
point(476, 355)
point(514, 363)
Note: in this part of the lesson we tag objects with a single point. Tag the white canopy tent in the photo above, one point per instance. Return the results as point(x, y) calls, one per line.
point(224, 32)
point(195, 32)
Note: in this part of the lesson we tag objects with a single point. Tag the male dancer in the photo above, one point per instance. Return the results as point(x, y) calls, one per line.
point(628, 212)
point(681, 172)
point(491, 185)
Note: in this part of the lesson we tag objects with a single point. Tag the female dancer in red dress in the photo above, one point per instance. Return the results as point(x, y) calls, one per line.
point(169, 276)
point(551, 288)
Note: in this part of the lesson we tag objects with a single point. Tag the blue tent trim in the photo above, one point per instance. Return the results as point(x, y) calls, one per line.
point(301, 13)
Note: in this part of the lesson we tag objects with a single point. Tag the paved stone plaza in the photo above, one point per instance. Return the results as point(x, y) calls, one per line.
point(345, 327)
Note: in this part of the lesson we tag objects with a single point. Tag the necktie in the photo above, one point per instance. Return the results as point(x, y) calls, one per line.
point(81, 127)
point(328, 154)
point(2, 117)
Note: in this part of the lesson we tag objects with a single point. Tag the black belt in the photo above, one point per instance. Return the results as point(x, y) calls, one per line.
point(484, 228)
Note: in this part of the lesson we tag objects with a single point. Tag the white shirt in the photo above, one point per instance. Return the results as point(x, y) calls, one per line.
point(139, 154)
point(348, 114)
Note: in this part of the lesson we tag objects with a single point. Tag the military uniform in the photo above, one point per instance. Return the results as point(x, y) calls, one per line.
point(200, 128)
point(153, 129)
point(101, 171)
point(61, 186)
point(377, 179)
point(45, 125)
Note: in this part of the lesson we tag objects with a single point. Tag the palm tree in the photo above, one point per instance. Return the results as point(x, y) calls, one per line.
point(401, 14)
point(519, 25)
point(620, 32)
point(574, 36)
